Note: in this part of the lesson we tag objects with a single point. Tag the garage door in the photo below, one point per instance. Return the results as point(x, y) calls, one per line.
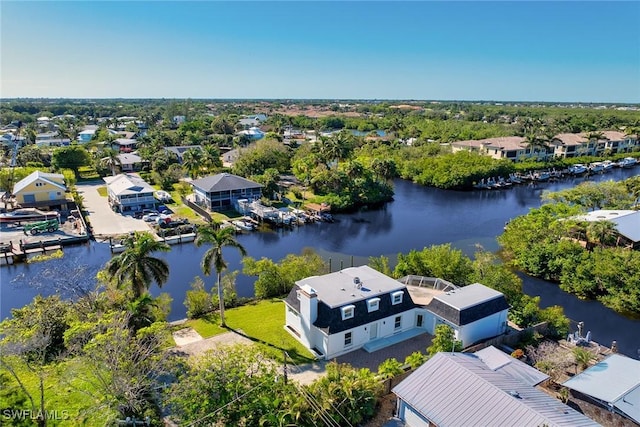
point(412, 419)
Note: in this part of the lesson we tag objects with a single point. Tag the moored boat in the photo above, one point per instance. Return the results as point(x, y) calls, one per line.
point(627, 162)
point(596, 167)
point(578, 169)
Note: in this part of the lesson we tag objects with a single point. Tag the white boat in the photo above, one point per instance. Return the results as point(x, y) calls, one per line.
point(608, 165)
point(596, 167)
point(243, 225)
point(578, 169)
point(627, 162)
point(117, 248)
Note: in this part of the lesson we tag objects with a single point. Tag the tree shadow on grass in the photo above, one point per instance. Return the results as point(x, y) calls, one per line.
point(292, 354)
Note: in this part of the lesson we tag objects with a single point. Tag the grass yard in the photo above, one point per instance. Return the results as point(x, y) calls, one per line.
point(102, 190)
point(262, 322)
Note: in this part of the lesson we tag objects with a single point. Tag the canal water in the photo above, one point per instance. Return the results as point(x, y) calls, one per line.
point(417, 217)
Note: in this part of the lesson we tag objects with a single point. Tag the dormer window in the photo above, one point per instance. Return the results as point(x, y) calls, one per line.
point(348, 311)
point(373, 304)
point(396, 297)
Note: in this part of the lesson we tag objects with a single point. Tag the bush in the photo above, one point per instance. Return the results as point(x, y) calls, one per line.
point(390, 368)
point(198, 301)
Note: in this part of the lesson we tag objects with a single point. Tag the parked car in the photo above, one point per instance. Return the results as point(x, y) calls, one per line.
point(150, 217)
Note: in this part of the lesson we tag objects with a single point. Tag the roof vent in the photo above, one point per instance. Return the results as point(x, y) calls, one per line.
point(515, 394)
point(356, 280)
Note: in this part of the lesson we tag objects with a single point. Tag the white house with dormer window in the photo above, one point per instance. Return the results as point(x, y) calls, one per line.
point(359, 307)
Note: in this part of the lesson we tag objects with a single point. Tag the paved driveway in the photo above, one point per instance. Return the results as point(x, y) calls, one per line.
point(105, 221)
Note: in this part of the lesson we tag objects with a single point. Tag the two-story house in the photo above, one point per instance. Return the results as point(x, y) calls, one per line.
point(359, 307)
point(42, 190)
point(129, 193)
point(222, 191)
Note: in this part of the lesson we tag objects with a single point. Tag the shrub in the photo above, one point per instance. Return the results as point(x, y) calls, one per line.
point(390, 368)
point(198, 301)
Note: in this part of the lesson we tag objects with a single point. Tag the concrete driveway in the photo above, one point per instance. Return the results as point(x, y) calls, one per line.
point(106, 222)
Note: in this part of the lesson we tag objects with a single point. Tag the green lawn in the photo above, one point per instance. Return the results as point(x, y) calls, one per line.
point(262, 322)
point(63, 383)
point(102, 190)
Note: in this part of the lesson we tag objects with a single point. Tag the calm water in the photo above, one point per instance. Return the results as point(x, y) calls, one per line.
point(418, 217)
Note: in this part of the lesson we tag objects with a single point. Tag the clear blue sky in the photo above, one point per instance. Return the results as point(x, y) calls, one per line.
point(528, 51)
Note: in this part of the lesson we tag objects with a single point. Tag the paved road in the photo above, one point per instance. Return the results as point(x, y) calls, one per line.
point(104, 221)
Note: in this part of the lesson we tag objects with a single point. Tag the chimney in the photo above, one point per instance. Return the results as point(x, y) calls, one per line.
point(308, 304)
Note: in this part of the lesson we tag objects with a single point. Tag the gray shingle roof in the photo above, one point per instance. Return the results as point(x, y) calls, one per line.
point(467, 304)
point(458, 389)
point(223, 182)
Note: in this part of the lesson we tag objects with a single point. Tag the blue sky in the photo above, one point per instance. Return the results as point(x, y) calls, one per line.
point(527, 51)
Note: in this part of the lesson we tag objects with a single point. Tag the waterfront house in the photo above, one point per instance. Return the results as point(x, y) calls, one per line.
point(569, 145)
point(129, 193)
point(42, 190)
point(508, 147)
point(359, 307)
point(613, 383)
point(618, 142)
point(459, 389)
point(626, 222)
point(221, 191)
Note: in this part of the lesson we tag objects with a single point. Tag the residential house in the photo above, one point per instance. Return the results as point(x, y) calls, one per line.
point(571, 145)
point(129, 193)
point(87, 134)
point(613, 383)
point(125, 144)
point(178, 120)
point(509, 147)
point(180, 149)
point(459, 389)
point(626, 222)
point(230, 157)
point(618, 142)
point(51, 139)
point(359, 307)
point(253, 133)
point(130, 162)
point(42, 190)
point(221, 191)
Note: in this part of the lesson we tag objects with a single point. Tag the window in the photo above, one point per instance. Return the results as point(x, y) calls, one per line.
point(347, 311)
point(419, 321)
point(398, 322)
point(373, 304)
point(347, 339)
point(396, 297)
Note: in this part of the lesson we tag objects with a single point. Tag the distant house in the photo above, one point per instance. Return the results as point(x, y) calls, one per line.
point(177, 120)
point(130, 162)
point(124, 144)
point(221, 191)
point(129, 193)
point(459, 389)
point(230, 157)
point(51, 139)
point(87, 134)
point(252, 133)
point(627, 224)
point(613, 383)
point(180, 149)
point(40, 189)
point(359, 307)
point(508, 147)
point(618, 142)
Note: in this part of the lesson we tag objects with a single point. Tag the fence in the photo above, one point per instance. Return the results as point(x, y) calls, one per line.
point(200, 211)
point(510, 339)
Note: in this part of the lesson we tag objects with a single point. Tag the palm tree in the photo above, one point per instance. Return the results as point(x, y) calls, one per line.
point(137, 267)
point(111, 159)
point(192, 161)
point(211, 157)
point(536, 140)
point(218, 239)
point(601, 232)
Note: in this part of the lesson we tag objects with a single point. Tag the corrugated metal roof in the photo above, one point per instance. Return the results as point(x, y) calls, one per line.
point(458, 389)
point(627, 222)
point(223, 182)
point(500, 361)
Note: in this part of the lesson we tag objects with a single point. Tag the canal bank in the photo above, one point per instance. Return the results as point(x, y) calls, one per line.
point(417, 217)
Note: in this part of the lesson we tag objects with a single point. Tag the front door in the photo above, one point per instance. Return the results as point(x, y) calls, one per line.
point(373, 331)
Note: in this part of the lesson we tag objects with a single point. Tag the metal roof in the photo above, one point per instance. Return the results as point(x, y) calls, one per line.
point(468, 296)
point(627, 222)
point(500, 361)
point(458, 389)
point(615, 380)
point(223, 182)
point(350, 285)
point(125, 183)
point(54, 179)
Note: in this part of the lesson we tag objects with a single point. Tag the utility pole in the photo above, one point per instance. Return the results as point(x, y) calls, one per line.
point(284, 367)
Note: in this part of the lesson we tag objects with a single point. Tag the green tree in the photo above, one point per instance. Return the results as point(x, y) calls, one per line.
point(582, 358)
point(198, 300)
point(192, 161)
point(390, 368)
point(111, 160)
point(136, 267)
point(440, 261)
point(218, 238)
point(443, 341)
point(72, 157)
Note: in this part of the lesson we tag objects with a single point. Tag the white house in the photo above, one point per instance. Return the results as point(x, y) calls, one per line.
point(359, 307)
point(459, 389)
point(129, 193)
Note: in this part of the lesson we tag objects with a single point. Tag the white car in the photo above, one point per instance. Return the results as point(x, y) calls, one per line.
point(150, 217)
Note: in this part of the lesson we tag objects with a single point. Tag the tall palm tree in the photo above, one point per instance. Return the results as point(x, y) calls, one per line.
point(111, 159)
point(192, 161)
point(137, 267)
point(218, 238)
